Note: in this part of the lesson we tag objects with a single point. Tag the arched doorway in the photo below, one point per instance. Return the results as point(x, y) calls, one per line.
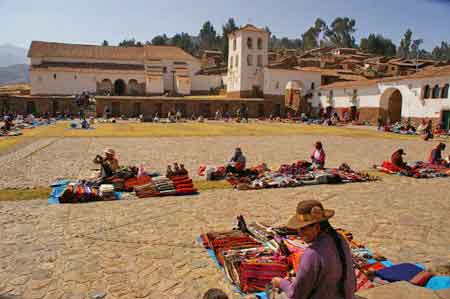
point(294, 99)
point(133, 87)
point(391, 105)
point(119, 87)
point(105, 87)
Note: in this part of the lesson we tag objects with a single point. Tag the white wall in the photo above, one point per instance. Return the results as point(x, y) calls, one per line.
point(367, 96)
point(413, 104)
point(377, 95)
point(155, 85)
point(69, 82)
point(276, 80)
point(184, 86)
point(206, 82)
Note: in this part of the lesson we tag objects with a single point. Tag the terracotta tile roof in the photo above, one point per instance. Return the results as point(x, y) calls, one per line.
point(251, 28)
point(350, 84)
point(443, 71)
point(62, 50)
point(82, 65)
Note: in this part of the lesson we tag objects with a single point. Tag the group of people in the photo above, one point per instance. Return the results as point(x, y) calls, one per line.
point(237, 163)
point(435, 158)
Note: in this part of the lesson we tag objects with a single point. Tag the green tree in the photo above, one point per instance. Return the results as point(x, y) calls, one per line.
point(310, 39)
point(183, 41)
point(207, 37)
point(105, 43)
point(340, 33)
point(160, 40)
point(227, 28)
point(130, 43)
point(441, 52)
point(377, 44)
point(415, 52)
point(404, 48)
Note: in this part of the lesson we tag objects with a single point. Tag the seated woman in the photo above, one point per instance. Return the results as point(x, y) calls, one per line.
point(109, 164)
point(237, 162)
point(436, 155)
point(397, 159)
point(318, 156)
point(326, 266)
point(8, 123)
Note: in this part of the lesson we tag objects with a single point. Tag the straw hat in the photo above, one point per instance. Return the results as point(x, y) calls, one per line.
point(309, 212)
point(109, 151)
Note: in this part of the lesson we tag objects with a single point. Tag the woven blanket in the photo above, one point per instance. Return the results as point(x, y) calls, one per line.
point(417, 170)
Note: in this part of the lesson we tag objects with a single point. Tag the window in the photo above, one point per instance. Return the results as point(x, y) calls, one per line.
point(330, 96)
point(231, 62)
point(164, 69)
point(277, 85)
point(436, 92)
point(250, 43)
point(260, 43)
point(54, 76)
point(237, 61)
point(426, 92)
point(75, 77)
point(313, 86)
point(249, 60)
point(444, 94)
point(260, 60)
point(234, 44)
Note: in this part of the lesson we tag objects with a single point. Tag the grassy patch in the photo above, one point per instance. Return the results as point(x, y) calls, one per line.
point(25, 194)
point(211, 185)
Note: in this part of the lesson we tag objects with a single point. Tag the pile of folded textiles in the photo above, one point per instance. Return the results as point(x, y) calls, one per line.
point(297, 174)
point(251, 255)
point(176, 182)
point(77, 192)
point(417, 170)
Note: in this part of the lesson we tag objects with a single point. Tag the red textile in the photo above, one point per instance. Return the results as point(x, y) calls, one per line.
point(139, 181)
point(257, 274)
point(390, 167)
point(421, 278)
point(362, 281)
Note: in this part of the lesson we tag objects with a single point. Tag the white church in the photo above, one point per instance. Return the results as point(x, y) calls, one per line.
point(160, 78)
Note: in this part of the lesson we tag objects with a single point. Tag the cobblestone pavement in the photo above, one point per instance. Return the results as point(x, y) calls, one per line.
point(146, 248)
point(41, 162)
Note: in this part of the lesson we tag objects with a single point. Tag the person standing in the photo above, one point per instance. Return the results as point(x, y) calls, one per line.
point(325, 270)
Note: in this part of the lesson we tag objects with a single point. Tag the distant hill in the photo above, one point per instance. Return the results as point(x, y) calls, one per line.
point(11, 55)
point(14, 74)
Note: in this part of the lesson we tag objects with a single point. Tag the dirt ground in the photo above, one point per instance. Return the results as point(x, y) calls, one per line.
point(146, 248)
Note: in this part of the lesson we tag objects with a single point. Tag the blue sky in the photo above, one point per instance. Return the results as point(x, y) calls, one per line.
point(92, 21)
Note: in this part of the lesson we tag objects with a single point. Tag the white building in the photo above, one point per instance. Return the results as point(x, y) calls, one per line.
point(66, 69)
point(424, 95)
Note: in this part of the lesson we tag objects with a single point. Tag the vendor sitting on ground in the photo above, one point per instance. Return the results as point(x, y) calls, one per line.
point(237, 162)
point(8, 123)
point(436, 155)
point(318, 156)
point(326, 268)
point(397, 159)
point(109, 163)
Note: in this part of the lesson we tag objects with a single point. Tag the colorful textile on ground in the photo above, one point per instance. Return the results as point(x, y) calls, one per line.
point(127, 179)
point(418, 170)
point(298, 174)
point(65, 191)
point(251, 255)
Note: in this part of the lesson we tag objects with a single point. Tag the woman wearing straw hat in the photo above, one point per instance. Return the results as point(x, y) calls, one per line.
point(109, 163)
point(325, 269)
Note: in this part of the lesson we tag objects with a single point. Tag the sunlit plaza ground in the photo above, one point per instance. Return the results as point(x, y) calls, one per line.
point(146, 248)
